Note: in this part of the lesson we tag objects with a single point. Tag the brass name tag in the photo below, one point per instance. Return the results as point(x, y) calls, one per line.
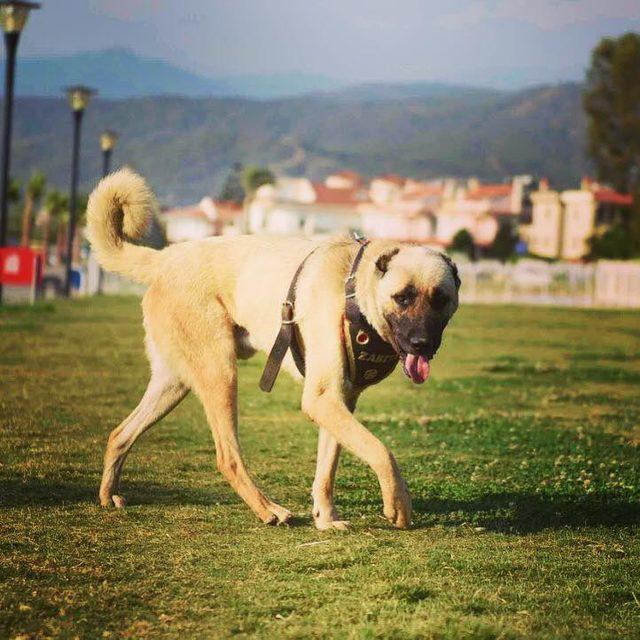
point(376, 358)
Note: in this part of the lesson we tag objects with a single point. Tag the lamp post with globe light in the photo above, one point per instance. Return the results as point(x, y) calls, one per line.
point(13, 18)
point(79, 97)
point(108, 140)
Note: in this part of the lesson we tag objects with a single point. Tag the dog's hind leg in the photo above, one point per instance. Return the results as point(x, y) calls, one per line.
point(163, 393)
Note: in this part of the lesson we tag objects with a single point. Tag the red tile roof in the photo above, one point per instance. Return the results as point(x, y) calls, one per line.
point(420, 191)
point(327, 195)
point(489, 191)
point(228, 210)
point(394, 178)
point(354, 176)
point(610, 196)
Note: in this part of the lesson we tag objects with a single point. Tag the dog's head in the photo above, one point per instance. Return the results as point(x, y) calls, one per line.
point(411, 293)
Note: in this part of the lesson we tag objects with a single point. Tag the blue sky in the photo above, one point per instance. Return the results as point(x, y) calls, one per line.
point(485, 42)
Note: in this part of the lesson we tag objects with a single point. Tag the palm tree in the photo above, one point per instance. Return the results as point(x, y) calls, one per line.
point(81, 223)
point(62, 227)
point(252, 179)
point(55, 204)
point(13, 193)
point(33, 193)
point(13, 197)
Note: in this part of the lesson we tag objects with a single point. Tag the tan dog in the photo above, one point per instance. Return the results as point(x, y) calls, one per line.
point(212, 301)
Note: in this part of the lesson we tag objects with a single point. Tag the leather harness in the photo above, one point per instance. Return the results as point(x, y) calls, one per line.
point(369, 357)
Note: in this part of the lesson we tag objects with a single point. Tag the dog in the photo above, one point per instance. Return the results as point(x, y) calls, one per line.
point(212, 301)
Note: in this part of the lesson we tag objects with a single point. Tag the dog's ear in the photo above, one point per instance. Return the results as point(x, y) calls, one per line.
point(382, 263)
point(454, 269)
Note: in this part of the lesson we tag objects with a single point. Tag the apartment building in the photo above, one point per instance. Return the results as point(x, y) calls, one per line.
point(562, 223)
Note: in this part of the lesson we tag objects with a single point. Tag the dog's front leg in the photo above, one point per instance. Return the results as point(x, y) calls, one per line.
point(324, 512)
point(326, 407)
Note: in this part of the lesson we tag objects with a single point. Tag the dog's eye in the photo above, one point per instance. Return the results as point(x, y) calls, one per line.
point(405, 298)
point(439, 298)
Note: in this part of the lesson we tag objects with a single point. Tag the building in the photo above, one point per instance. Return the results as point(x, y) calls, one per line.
point(295, 206)
point(463, 213)
point(543, 234)
point(207, 218)
point(386, 189)
point(562, 223)
point(434, 212)
point(401, 209)
point(409, 221)
point(344, 180)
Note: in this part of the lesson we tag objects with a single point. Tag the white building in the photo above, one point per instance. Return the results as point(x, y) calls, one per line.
point(462, 213)
point(563, 223)
point(207, 218)
point(433, 212)
point(543, 234)
point(401, 209)
point(296, 206)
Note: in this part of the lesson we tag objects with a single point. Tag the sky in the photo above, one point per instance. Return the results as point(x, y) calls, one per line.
point(482, 42)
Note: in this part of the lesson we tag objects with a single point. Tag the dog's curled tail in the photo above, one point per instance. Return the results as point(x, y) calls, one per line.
point(119, 210)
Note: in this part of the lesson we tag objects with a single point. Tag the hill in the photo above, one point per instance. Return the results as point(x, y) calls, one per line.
point(385, 91)
point(186, 145)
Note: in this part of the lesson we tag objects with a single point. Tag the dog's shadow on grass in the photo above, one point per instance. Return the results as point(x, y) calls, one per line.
point(507, 512)
point(25, 492)
point(522, 513)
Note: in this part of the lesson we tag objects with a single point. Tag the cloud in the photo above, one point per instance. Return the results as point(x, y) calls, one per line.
point(548, 15)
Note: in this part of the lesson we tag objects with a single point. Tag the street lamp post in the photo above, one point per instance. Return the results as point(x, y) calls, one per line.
point(79, 97)
point(13, 17)
point(108, 140)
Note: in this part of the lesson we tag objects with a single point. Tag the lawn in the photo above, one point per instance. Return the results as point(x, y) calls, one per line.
point(521, 453)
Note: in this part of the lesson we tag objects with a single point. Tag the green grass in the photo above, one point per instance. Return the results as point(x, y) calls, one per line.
point(521, 454)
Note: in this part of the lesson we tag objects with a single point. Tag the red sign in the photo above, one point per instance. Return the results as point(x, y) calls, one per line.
point(19, 266)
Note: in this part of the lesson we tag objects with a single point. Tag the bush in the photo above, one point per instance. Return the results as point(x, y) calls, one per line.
point(463, 243)
point(504, 244)
point(614, 244)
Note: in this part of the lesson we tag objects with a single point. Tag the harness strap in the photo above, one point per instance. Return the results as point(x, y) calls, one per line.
point(286, 338)
point(351, 308)
point(369, 357)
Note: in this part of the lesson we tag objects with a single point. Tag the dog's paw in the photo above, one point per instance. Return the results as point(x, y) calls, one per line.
point(326, 524)
point(277, 515)
point(119, 502)
point(397, 508)
point(113, 501)
point(327, 518)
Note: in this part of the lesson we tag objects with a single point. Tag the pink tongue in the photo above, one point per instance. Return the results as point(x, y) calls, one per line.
point(417, 367)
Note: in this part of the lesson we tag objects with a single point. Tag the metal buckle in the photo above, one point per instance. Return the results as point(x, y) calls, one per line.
point(287, 312)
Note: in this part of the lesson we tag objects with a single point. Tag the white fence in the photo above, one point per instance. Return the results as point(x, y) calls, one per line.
point(617, 284)
point(603, 284)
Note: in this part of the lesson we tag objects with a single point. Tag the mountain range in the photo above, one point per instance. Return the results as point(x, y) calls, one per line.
point(120, 73)
point(186, 144)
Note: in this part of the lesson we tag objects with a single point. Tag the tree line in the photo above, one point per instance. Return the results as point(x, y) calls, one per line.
point(40, 213)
